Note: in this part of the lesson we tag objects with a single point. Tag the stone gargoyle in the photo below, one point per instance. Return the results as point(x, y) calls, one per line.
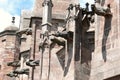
point(14, 64)
point(27, 31)
point(21, 71)
point(61, 37)
point(11, 74)
point(33, 63)
point(102, 11)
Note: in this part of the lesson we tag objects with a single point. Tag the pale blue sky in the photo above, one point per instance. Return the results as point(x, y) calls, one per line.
point(15, 6)
point(9, 8)
point(82, 2)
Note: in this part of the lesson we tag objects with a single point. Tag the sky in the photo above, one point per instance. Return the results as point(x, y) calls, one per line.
point(10, 8)
point(82, 2)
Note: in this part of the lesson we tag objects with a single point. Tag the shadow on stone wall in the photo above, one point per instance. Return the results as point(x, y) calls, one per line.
point(74, 52)
point(68, 62)
point(86, 50)
point(105, 43)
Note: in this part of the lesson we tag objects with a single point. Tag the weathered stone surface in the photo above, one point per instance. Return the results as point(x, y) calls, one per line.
point(25, 19)
point(59, 7)
point(92, 63)
point(106, 55)
point(7, 52)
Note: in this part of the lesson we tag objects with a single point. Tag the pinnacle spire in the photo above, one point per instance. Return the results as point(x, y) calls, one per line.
point(47, 2)
point(13, 20)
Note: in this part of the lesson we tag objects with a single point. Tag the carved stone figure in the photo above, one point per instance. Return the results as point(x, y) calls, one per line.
point(11, 74)
point(102, 11)
point(14, 64)
point(33, 63)
point(21, 71)
point(58, 40)
point(64, 34)
point(27, 31)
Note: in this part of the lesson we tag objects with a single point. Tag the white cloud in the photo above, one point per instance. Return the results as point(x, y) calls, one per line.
point(2, 0)
point(10, 8)
point(6, 18)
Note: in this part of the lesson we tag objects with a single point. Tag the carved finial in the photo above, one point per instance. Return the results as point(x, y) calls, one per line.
point(13, 20)
point(47, 2)
point(87, 6)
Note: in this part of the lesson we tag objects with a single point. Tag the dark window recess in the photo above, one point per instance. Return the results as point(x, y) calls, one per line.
point(3, 40)
point(114, 78)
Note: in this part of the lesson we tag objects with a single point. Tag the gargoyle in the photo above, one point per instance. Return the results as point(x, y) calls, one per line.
point(11, 74)
point(61, 37)
point(27, 31)
point(58, 40)
point(102, 11)
point(64, 34)
point(14, 64)
point(33, 63)
point(21, 71)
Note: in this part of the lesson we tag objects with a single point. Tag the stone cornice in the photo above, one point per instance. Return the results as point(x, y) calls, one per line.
point(7, 32)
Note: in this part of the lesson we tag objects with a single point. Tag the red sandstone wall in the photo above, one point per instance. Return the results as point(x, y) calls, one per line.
point(105, 60)
point(7, 51)
point(25, 45)
point(59, 7)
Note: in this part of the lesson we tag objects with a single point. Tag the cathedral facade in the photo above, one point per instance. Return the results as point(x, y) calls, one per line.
point(60, 40)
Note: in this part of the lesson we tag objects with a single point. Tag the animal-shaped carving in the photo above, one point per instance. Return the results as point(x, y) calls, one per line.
point(33, 63)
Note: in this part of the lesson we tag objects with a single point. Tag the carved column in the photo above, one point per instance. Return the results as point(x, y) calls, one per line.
point(45, 50)
point(47, 15)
